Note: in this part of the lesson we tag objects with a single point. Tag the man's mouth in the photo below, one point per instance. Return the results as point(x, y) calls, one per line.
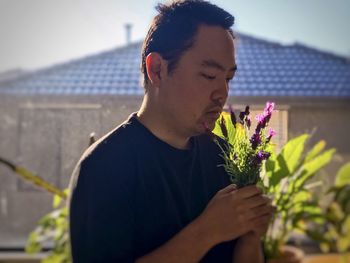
point(214, 113)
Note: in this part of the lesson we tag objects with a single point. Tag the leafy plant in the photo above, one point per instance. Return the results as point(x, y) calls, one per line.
point(53, 227)
point(288, 181)
point(244, 155)
point(285, 178)
point(332, 229)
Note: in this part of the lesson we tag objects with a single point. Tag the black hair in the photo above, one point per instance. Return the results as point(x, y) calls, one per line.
point(173, 30)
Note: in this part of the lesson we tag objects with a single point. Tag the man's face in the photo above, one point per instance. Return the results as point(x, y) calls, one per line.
point(196, 91)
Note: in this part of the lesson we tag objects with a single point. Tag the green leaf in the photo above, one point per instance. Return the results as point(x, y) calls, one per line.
point(301, 196)
point(310, 168)
point(315, 150)
point(316, 235)
point(343, 175)
point(231, 130)
point(55, 258)
point(287, 161)
point(292, 152)
point(342, 244)
point(33, 245)
point(308, 209)
point(325, 248)
point(342, 197)
point(57, 200)
point(346, 226)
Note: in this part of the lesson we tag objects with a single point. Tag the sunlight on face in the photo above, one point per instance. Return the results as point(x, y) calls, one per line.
point(197, 89)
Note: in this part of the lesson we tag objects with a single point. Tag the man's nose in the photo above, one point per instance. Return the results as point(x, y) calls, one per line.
point(220, 93)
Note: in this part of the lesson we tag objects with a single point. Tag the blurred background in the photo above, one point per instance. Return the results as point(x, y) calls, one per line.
point(71, 67)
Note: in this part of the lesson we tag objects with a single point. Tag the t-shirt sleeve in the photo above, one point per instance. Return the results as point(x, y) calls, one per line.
point(101, 213)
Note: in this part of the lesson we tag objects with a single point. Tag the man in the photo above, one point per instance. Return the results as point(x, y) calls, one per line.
point(151, 190)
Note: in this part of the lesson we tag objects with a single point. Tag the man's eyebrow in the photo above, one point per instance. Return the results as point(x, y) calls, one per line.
point(213, 64)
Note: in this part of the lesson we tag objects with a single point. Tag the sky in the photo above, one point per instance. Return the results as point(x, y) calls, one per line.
point(38, 33)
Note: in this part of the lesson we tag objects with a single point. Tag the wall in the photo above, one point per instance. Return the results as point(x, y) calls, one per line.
point(47, 135)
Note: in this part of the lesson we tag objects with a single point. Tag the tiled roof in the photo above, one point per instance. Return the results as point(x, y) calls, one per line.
point(264, 69)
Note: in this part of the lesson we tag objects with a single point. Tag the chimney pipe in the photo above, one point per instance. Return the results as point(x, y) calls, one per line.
point(128, 27)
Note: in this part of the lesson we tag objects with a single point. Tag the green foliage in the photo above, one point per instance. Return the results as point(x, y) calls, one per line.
point(287, 176)
point(52, 228)
point(343, 176)
point(333, 233)
point(242, 160)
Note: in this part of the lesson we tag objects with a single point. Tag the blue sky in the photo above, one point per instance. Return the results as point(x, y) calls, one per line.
point(39, 33)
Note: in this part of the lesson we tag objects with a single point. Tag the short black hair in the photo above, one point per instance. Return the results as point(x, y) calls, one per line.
point(173, 30)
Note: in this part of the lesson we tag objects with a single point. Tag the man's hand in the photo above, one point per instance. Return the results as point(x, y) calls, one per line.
point(233, 213)
point(261, 228)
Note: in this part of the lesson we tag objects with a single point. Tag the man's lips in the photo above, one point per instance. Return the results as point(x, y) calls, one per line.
point(214, 113)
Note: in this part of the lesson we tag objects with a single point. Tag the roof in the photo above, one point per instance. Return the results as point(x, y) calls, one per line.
point(264, 69)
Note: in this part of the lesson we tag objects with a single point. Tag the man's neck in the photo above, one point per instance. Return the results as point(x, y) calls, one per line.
point(155, 121)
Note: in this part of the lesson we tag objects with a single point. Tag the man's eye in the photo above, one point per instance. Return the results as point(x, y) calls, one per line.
point(208, 77)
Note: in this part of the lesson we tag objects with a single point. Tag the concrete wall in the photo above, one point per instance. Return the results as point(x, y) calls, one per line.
point(47, 135)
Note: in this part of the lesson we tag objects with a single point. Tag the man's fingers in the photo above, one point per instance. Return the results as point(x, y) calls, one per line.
point(261, 211)
point(228, 189)
point(258, 200)
point(249, 191)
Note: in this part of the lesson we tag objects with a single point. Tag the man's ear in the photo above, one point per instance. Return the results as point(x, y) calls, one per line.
point(154, 66)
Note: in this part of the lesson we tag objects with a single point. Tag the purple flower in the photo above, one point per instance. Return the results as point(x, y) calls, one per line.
point(269, 108)
point(255, 140)
point(270, 134)
point(223, 127)
point(234, 156)
point(243, 115)
point(260, 117)
point(249, 122)
point(233, 116)
point(261, 156)
point(264, 118)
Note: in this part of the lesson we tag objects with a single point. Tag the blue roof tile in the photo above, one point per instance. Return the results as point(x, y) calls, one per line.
point(264, 69)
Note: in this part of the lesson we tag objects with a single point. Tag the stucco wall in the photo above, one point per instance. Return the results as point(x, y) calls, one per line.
point(48, 134)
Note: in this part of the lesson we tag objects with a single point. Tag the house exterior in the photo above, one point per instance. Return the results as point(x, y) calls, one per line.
point(47, 115)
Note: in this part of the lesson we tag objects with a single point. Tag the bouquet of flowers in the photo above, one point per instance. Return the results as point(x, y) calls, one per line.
point(244, 153)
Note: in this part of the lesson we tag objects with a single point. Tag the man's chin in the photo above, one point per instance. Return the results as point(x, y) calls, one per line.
point(207, 124)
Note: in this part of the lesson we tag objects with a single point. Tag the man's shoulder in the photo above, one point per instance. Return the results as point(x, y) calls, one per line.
point(111, 153)
point(118, 140)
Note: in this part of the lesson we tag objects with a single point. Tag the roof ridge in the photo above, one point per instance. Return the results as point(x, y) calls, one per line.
point(296, 44)
point(56, 66)
point(322, 52)
point(260, 40)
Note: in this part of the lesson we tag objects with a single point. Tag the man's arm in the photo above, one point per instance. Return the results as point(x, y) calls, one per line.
point(250, 242)
point(189, 245)
point(229, 215)
point(248, 249)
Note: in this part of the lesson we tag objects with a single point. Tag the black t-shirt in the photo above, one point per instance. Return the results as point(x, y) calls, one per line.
point(132, 192)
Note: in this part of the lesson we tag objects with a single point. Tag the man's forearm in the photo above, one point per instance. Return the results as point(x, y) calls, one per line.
point(248, 249)
point(189, 245)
